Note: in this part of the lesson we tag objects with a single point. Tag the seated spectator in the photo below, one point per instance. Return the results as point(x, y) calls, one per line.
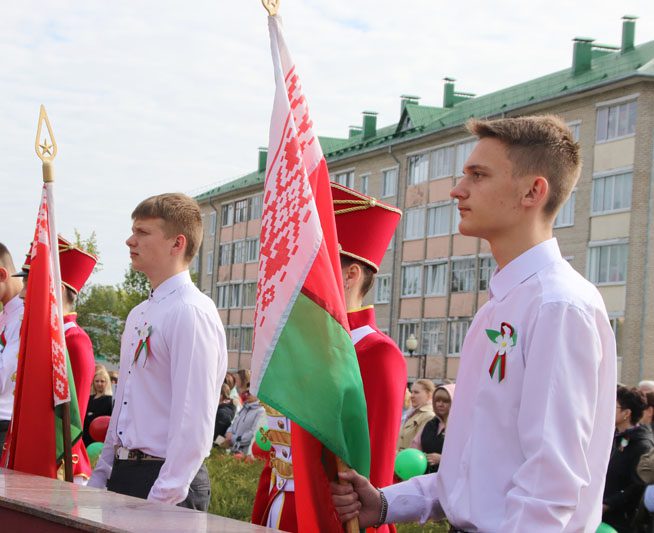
point(432, 436)
point(100, 402)
point(624, 489)
point(240, 434)
point(421, 393)
point(230, 381)
point(224, 414)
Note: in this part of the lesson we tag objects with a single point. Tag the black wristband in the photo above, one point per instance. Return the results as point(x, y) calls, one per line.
point(383, 511)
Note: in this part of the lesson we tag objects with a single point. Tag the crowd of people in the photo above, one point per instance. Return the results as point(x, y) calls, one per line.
point(535, 438)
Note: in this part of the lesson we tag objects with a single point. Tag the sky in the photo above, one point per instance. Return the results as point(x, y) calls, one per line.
point(148, 97)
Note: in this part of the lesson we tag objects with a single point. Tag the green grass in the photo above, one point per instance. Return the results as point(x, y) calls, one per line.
point(234, 484)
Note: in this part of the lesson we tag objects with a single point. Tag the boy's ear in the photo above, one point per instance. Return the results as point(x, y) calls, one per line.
point(537, 192)
point(4, 275)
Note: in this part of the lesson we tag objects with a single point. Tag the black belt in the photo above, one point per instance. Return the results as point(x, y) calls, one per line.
point(134, 455)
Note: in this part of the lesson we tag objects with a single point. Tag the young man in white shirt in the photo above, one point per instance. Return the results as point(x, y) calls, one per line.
point(11, 317)
point(173, 360)
point(529, 435)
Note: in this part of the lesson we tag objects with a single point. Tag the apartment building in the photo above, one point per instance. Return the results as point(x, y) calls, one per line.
point(432, 279)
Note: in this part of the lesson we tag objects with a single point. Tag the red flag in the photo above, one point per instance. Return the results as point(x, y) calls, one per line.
point(42, 378)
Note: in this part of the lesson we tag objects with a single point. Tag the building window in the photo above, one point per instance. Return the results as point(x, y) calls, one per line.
point(228, 215)
point(256, 203)
point(611, 193)
point(405, 330)
point(616, 121)
point(232, 334)
point(436, 279)
point(209, 263)
point(566, 215)
point(414, 224)
point(222, 299)
point(345, 178)
point(364, 184)
point(463, 151)
point(433, 337)
point(442, 161)
point(235, 292)
point(241, 211)
point(456, 219)
point(617, 325)
point(412, 280)
point(389, 182)
point(212, 223)
point(240, 251)
point(575, 128)
point(225, 251)
point(249, 294)
point(463, 275)
point(253, 250)
point(438, 220)
point(487, 266)
point(247, 332)
point(418, 168)
point(607, 264)
point(383, 289)
point(458, 330)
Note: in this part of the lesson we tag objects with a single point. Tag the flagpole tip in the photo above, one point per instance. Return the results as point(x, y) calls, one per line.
point(272, 6)
point(45, 145)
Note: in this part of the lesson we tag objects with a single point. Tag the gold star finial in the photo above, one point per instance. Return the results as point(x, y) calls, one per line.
point(46, 149)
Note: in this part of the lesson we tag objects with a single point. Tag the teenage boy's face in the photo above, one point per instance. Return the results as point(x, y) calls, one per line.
point(488, 196)
point(149, 248)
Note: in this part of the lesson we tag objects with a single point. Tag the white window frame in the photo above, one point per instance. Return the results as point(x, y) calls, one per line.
point(414, 223)
point(222, 295)
point(431, 212)
point(593, 265)
point(209, 263)
point(255, 207)
point(628, 176)
point(252, 250)
point(487, 266)
point(233, 338)
point(225, 253)
point(575, 129)
point(364, 181)
point(227, 214)
point(383, 289)
point(441, 162)
point(404, 330)
point(463, 151)
point(441, 289)
point(241, 211)
point(236, 295)
point(389, 182)
point(565, 218)
point(249, 288)
point(247, 335)
point(413, 288)
point(458, 329)
point(621, 106)
point(212, 223)
point(345, 178)
point(433, 342)
point(239, 253)
point(467, 283)
point(418, 168)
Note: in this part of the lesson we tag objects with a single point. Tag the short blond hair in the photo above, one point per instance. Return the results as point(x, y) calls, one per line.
point(108, 389)
point(180, 214)
point(426, 384)
point(537, 146)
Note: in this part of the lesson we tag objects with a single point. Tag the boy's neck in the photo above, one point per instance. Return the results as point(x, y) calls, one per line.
point(507, 247)
point(157, 278)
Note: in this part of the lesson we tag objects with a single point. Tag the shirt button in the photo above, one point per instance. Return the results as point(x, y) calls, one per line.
point(120, 432)
point(124, 403)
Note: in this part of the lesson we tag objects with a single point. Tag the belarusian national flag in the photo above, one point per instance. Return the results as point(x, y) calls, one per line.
point(43, 379)
point(303, 361)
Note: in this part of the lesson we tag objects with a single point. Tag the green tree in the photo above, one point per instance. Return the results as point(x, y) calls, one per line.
point(97, 312)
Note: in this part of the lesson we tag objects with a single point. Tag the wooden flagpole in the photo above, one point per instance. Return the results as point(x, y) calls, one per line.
point(46, 152)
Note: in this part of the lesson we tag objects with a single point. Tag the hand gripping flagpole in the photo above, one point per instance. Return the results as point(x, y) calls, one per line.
point(46, 152)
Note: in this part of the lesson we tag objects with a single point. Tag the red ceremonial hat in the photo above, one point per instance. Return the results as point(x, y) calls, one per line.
point(364, 225)
point(76, 265)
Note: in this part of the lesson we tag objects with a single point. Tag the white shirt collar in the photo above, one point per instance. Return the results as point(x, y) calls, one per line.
point(523, 267)
point(170, 285)
point(13, 306)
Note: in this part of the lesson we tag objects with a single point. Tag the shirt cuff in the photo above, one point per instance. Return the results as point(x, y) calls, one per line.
point(413, 500)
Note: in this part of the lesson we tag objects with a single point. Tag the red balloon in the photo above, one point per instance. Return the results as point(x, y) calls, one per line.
point(98, 428)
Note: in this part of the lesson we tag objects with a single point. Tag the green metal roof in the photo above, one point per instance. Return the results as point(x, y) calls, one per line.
point(607, 67)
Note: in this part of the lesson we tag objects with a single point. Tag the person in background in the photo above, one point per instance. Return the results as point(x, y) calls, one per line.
point(243, 382)
point(646, 386)
point(11, 317)
point(224, 414)
point(113, 377)
point(648, 414)
point(432, 436)
point(624, 489)
point(230, 381)
point(240, 434)
point(421, 401)
point(100, 402)
point(406, 406)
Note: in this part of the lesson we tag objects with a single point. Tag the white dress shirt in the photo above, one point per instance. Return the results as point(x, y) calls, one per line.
point(10, 320)
point(529, 452)
point(166, 403)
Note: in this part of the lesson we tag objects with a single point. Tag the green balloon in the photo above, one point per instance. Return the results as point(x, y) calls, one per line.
point(605, 528)
point(94, 450)
point(410, 463)
point(262, 439)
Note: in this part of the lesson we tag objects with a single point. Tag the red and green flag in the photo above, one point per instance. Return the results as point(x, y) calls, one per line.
point(44, 381)
point(304, 363)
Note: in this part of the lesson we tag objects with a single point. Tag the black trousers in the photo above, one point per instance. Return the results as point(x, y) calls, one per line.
point(135, 478)
point(4, 428)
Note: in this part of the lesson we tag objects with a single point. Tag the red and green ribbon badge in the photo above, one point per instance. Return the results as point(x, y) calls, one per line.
point(3, 340)
point(506, 338)
point(144, 343)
